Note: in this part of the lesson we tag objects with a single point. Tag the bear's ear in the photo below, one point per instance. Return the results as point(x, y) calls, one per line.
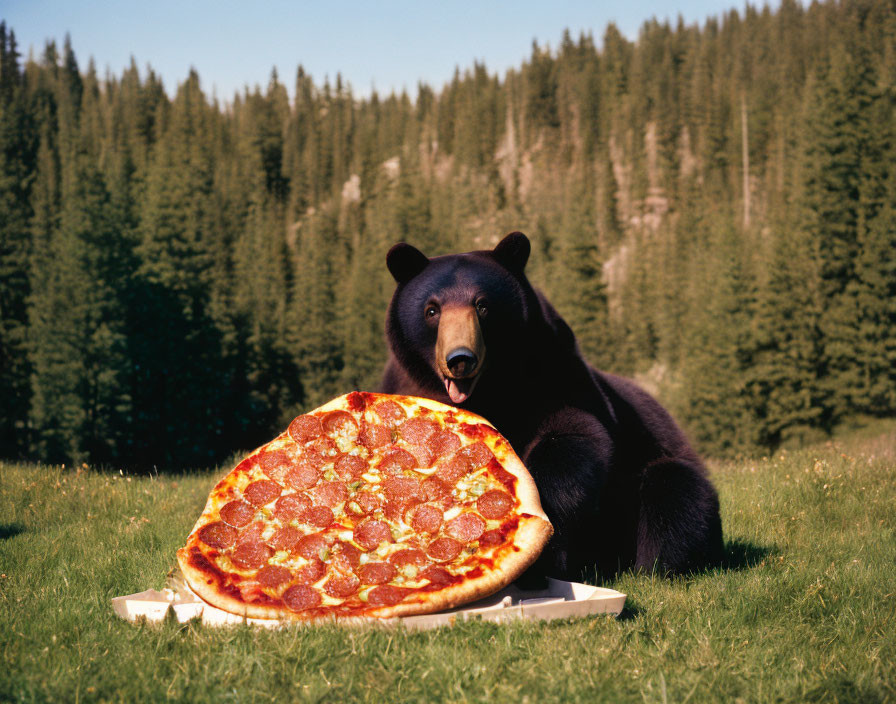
point(513, 251)
point(405, 261)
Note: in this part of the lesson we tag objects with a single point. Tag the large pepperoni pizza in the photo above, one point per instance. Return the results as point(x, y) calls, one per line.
point(371, 506)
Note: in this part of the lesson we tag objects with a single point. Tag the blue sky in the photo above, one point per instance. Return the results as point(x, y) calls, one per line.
point(386, 44)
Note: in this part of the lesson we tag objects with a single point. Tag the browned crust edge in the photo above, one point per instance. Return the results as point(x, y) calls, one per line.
point(201, 586)
point(533, 531)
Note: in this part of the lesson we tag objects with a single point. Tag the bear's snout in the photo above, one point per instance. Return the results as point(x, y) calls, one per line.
point(460, 351)
point(461, 362)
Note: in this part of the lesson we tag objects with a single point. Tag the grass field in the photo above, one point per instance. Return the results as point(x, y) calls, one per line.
point(805, 609)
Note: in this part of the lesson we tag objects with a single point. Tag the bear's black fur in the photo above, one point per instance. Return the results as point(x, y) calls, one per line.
point(616, 476)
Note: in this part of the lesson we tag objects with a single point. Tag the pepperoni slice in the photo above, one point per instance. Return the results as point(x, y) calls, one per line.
point(237, 513)
point(377, 573)
point(476, 454)
point(402, 488)
point(251, 534)
point(329, 493)
point(371, 533)
point(342, 585)
point(347, 554)
point(349, 467)
point(218, 535)
point(444, 549)
point(395, 510)
point(494, 504)
point(397, 460)
point(285, 538)
point(310, 573)
point(303, 476)
point(401, 493)
point(320, 451)
point(426, 518)
point(320, 516)
point(301, 597)
point(305, 428)
point(386, 595)
point(444, 443)
point(275, 464)
point(271, 459)
point(434, 489)
point(373, 435)
point(251, 554)
point(340, 423)
point(417, 431)
point(452, 469)
point(273, 576)
point(290, 507)
point(262, 492)
point(390, 412)
point(423, 454)
point(310, 546)
point(465, 527)
point(411, 556)
point(438, 576)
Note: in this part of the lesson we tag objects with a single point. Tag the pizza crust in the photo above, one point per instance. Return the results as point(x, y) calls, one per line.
point(532, 531)
point(531, 535)
point(205, 588)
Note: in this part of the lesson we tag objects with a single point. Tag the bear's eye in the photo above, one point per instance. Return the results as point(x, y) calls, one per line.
point(482, 307)
point(431, 311)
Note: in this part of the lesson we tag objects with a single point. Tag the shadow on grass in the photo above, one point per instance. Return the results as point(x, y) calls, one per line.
point(630, 611)
point(739, 555)
point(10, 530)
point(744, 555)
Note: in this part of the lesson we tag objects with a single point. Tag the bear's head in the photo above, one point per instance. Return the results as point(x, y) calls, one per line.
point(460, 321)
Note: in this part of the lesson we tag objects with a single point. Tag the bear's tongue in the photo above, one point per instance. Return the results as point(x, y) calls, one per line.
point(459, 389)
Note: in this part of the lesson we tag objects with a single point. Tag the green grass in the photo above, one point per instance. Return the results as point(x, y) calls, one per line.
point(805, 610)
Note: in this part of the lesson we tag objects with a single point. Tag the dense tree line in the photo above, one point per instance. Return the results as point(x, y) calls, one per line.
point(711, 207)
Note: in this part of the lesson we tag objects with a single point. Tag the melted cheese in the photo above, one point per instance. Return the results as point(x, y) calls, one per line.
point(428, 471)
point(452, 512)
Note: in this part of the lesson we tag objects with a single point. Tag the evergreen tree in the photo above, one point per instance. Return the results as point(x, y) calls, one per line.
point(843, 188)
point(577, 286)
point(77, 350)
point(365, 288)
point(541, 90)
point(268, 389)
point(313, 323)
point(18, 156)
point(299, 147)
point(874, 292)
point(786, 348)
point(180, 387)
point(713, 369)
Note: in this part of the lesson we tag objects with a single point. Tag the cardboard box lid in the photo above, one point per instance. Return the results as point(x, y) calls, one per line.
point(559, 600)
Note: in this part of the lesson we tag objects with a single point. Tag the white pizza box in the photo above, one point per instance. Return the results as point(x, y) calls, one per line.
point(559, 600)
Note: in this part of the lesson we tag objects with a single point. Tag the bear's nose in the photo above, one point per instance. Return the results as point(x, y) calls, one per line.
point(461, 362)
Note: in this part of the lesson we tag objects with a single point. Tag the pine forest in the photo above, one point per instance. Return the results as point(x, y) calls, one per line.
point(712, 208)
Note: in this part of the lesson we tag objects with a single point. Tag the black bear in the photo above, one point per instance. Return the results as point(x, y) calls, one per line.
point(617, 477)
